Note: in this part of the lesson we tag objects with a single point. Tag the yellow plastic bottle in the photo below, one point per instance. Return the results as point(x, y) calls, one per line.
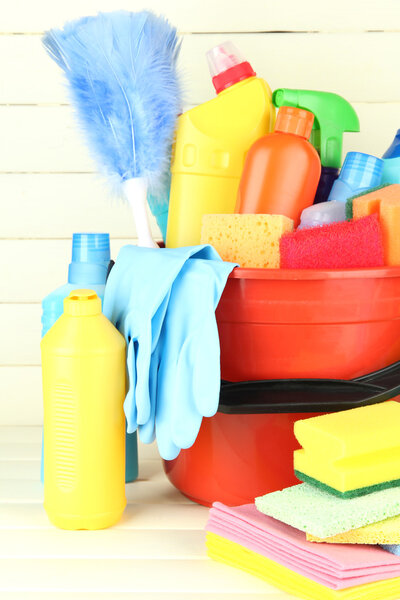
point(83, 366)
point(211, 144)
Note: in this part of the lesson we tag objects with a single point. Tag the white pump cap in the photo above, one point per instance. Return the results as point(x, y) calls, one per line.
point(223, 57)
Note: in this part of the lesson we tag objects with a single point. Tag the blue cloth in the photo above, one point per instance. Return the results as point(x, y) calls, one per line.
point(392, 548)
point(163, 301)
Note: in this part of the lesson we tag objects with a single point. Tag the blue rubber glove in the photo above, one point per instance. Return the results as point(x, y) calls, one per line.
point(187, 360)
point(136, 306)
point(136, 300)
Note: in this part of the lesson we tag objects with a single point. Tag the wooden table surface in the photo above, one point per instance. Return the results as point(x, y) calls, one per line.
point(156, 551)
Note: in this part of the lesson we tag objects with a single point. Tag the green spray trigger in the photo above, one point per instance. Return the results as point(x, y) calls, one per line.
point(333, 115)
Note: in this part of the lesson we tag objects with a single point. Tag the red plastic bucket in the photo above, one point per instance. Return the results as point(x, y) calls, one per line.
point(285, 324)
point(237, 457)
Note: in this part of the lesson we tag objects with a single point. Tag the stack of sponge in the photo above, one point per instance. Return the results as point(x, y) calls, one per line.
point(350, 463)
point(308, 539)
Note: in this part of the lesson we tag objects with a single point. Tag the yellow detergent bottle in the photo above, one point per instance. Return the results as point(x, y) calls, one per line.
point(83, 366)
point(211, 143)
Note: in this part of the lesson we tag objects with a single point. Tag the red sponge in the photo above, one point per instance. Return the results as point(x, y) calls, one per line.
point(347, 245)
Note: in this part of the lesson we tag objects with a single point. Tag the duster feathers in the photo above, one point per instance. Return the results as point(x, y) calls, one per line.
point(122, 76)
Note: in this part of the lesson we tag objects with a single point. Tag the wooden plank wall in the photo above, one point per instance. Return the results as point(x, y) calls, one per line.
point(48, 188)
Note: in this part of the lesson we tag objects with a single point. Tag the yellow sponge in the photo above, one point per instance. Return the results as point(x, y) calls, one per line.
point(383, 532)
point(250, 240)
point(350, 453)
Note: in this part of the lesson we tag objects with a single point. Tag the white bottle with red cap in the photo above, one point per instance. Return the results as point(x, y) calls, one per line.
point(212, 140)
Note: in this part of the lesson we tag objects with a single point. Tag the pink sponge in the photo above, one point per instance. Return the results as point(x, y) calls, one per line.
point(347, 245)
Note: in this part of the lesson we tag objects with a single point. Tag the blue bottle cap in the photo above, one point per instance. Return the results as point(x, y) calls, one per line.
point(394, 149)
point(361, 170)
point(90, 258)
point(90, 247)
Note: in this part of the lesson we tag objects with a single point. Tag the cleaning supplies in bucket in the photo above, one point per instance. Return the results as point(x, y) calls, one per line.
point(164, 301)
point(122, 76)
point(360, 173)
point(83, 365)
point(281, 172)
point(211, 143)
point(333, 115)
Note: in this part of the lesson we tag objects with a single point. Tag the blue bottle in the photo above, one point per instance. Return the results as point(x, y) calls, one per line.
point(87, 269)
point(359, 173)
point(391, 167)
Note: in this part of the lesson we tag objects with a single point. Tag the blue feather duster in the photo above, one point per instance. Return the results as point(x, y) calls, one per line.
point(121, 68)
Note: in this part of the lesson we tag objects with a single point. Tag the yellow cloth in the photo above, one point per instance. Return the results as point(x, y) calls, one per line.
point(383, 532)
point(237, 556)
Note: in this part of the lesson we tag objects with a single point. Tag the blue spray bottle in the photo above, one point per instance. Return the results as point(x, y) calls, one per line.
point(391, 168)
point(87, 269)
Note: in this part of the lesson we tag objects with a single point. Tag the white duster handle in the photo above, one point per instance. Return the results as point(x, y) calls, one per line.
point(136, 193)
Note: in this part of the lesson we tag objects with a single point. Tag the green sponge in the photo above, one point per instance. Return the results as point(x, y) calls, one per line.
point(369, 489)
point(321, 514)
point(349, 208)
point(349, 201)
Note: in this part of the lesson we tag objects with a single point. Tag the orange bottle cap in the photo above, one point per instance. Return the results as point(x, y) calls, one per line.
point(294, 120)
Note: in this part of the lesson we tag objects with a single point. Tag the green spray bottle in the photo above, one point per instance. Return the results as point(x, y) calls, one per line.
point(333, 116)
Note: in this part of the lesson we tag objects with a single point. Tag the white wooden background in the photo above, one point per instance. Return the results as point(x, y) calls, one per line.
point(47, 186)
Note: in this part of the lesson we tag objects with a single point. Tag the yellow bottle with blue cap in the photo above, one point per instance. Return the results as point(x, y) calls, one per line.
point(83, 367)
point(212, 140)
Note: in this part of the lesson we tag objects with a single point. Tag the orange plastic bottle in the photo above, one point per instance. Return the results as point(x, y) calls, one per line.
point(282, 169)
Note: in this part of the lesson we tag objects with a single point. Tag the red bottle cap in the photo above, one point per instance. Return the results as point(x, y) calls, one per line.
point(294, 120)
point(227, 66)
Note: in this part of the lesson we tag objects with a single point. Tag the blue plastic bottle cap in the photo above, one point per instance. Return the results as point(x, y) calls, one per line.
point(359, 172)
point(90, 247)
point(90, 258)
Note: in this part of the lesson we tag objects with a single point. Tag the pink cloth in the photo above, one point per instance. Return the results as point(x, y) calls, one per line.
point(336, 566)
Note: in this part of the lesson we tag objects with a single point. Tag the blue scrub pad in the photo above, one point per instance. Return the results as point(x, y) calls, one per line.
point(392, 548)
point(163, 301)
point(322, 514)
